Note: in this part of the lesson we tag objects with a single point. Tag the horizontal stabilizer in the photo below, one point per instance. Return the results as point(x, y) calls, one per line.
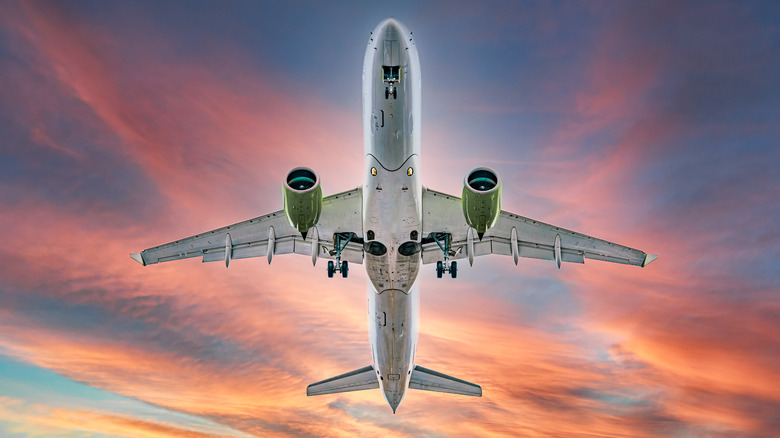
point(429, 380)
point(358, 380)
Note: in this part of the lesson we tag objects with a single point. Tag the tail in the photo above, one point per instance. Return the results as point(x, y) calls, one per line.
point(421, 378)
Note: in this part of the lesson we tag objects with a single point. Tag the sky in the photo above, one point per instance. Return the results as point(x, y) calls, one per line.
point(124, 125)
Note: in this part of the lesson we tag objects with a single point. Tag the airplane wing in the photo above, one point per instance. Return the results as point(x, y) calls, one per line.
point(341, 213)
point(515, 236)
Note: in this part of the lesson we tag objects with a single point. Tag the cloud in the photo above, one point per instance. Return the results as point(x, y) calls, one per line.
point(125, 145)
point(40, 420)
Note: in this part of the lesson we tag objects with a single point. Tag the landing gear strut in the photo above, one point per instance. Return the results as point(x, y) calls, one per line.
point(444, 241)
point(340, 241)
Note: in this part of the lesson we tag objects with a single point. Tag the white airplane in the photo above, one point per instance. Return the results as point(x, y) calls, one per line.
point(393, 224)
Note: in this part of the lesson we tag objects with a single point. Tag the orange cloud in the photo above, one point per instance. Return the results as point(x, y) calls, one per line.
point(240, 345)
point(38, 420)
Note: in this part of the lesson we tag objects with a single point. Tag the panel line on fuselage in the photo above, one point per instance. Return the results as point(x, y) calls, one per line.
point(397, 168)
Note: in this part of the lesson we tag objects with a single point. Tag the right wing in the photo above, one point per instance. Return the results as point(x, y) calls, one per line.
point(341, 213)
point(443, 213)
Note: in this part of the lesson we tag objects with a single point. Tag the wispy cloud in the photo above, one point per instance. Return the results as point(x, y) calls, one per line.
point(119, 139)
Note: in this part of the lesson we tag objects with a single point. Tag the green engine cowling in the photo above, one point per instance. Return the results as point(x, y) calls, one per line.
point(481, 199)
point(302, 196)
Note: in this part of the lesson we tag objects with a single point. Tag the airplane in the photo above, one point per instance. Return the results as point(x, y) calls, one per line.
point(393, 225)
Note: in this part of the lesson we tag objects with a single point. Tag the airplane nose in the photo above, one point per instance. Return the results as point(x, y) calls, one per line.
point(391, 29)
point(391, 35)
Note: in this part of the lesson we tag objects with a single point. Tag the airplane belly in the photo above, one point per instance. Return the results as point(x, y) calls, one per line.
point(392, 194)
point(391, 98)
point(393, 326)
point(392, 203)
point(392, 226)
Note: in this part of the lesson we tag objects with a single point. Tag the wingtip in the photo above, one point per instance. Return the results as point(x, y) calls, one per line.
point(138, 257)
point(649, 258)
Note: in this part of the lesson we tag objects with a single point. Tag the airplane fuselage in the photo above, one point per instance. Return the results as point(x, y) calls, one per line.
point(392, 203)
point(394, 212)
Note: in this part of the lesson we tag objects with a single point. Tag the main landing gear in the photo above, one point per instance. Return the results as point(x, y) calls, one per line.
point(340, 241)
point(441, 269)
point(343, 268)
point(444, 241)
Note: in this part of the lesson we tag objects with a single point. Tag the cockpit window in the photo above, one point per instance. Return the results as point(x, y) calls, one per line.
point(391, 73)
point(376, 248)
point(409, 248)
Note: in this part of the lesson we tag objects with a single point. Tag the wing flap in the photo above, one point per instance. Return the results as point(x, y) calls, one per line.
point(430, 380)
point(353, 253)
point(358, 380)
point(240, 251)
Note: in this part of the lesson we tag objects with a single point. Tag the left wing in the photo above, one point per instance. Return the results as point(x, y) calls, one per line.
point(341, 212)
point(515, 236)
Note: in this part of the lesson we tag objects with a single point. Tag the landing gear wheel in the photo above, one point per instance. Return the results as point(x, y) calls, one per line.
point(344, 269)
point(439, 269)
point(331, 269)
point(387, 92)
point(395, 93)
point(454, 269)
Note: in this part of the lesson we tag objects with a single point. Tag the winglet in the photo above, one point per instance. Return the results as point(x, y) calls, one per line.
point(138, 257)
point(649, 258)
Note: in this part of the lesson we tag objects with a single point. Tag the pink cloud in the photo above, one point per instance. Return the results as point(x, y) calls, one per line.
point(212, 138)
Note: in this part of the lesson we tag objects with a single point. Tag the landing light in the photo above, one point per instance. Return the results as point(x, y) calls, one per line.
point(410, 171)
point(373, 171)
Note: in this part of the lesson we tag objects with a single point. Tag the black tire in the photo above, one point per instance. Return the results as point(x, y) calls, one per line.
point(330, 269)
point(344, 269)
point(439, 269)
point(395, 93)
point(387, 92)
point(454, 270)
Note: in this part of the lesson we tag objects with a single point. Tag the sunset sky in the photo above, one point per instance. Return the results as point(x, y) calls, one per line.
point(124, 125)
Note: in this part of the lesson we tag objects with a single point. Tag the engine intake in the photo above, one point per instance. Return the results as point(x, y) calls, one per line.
point(302, 196)
point(481, 199)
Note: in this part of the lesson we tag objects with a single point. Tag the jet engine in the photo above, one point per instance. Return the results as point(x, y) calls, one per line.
point(481, 199)
point(302, 195)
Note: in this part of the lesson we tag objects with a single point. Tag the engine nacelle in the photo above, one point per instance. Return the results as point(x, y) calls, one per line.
point(481, 199)
point(302, 196)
